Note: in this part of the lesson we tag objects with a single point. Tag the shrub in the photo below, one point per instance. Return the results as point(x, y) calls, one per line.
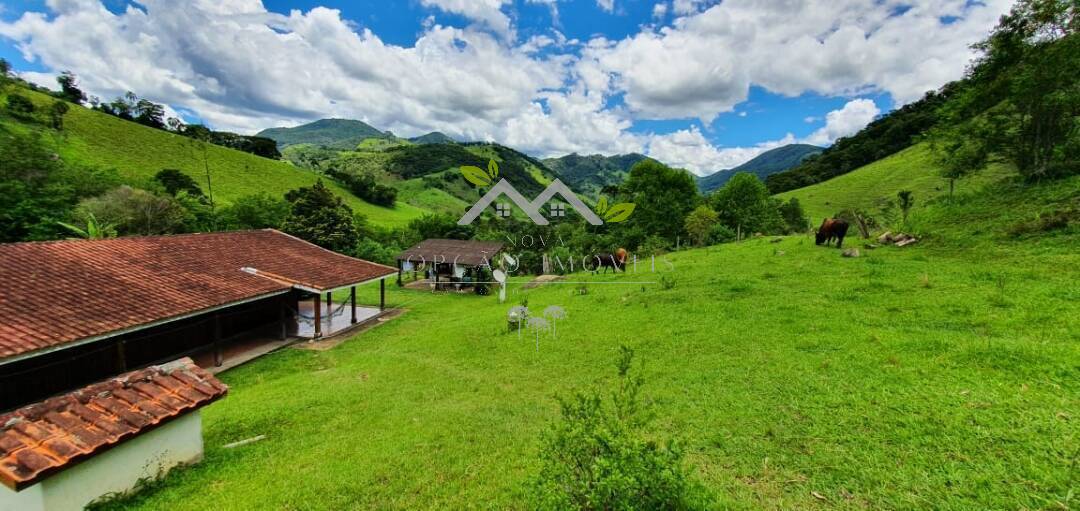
point(176, 181)
point(20, 106)
point(135, 212)
point(257, 211)
point(598, 457)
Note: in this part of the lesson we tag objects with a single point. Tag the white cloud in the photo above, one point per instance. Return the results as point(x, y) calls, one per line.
point(488, 12)
point(242, 68)
point(705, 63)
point(854, 116)
point(660, 10)
point(689, 149)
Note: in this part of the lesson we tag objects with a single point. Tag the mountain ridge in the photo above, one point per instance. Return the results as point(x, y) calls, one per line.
point(763, 165)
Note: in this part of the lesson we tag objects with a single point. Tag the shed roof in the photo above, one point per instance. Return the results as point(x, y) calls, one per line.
point(44, 438)
point(60, 292)
point(467, 252)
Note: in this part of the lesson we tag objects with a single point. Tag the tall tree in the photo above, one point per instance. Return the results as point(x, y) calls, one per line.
point(319, 216)
point(744, 205)
point(663, 197)
point(69, 88)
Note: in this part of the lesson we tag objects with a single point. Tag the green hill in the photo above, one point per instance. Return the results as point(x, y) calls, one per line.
point(435, 137)
point(333, 133)
point(764, 165)
point(138, 152)
point(871, 187)
point(590, 174)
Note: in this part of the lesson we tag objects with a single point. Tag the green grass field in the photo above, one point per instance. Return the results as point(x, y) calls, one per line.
point(945, 375)
point(869, 187)
point(138, 152)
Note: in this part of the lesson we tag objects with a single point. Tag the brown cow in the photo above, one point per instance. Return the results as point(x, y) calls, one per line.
point(832, 228)
point(616, 261)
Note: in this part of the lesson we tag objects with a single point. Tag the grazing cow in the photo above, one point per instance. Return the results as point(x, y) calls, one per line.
point(616, 261)
point(832, 228)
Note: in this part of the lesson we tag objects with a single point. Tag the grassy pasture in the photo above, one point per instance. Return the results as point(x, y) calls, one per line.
point(869, 187)
point(939, 376)
point(137, 153)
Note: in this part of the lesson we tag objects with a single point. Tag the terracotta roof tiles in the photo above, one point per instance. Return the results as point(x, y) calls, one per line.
point(64, 291)
point(41, 439)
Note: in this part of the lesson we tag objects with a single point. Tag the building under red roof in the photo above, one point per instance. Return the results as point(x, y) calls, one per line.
point(75, 311)
point(72, 449)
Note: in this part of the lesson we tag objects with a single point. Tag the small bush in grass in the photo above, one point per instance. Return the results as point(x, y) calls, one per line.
point(598, 456)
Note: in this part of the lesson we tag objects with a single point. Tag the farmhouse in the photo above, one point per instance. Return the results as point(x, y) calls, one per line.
point(74, 312)
point(454, 262)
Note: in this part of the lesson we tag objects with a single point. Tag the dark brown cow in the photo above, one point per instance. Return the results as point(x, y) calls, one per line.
point(832, 228)
point(616, 261)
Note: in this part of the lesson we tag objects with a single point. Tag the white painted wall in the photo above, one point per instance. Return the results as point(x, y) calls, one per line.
point(117, 470)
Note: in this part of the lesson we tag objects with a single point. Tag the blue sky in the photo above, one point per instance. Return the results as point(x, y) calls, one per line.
point(696, 83)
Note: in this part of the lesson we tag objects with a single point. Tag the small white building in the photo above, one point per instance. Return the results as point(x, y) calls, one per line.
point(68, 451)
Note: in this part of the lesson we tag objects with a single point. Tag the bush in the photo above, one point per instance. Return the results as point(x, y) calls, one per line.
point(598, 456)
point(20, 106)
point(721, 233)
point(135, 212)
point(257, 211)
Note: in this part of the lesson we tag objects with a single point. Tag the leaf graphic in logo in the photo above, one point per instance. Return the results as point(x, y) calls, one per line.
point(493, 169)
point(475, 175)
point(601, 205)
point(619, 212)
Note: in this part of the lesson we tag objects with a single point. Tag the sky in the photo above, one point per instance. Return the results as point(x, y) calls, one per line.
point(699, 84)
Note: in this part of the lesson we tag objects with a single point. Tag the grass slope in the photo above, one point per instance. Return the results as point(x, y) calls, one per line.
point(869, 187)
point(138, 152)
point(916, 378)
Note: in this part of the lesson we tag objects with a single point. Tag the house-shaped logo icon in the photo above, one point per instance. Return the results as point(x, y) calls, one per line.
point(532, 209)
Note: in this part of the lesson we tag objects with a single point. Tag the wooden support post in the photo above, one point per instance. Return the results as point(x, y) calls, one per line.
point(400, 270)
point(318, 316)
point(382, 295)
point(219, 357)
point(329, 306)
point(282, 319)
point(352, 301)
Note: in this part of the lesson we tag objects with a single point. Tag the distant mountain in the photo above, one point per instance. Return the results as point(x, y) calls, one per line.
point(589, 175)
point(435, 137)
point(764, 165)
point(332, 133)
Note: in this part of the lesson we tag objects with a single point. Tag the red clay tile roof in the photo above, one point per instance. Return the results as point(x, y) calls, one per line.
point(41, 439)
point(466, 252)
point(53, 293)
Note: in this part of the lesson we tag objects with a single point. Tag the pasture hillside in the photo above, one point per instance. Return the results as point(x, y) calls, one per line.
point(138, 152)
point(927, 377)
point(872, 187)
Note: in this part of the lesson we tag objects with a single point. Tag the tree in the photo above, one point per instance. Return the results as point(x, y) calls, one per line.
point(663, 197)
point(69, 88)
point(135, 212)
point(56, 115)
point(744, 205)
point(794, 216)
point(905, 200)
point(176, 181)
point(601, 456)
point(5, 72)
point(259, 211)
point(700, 222)
point(150, 114)
point(319, 216)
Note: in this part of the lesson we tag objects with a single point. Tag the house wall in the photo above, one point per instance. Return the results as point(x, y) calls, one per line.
point(32, 380)
point(115, 471)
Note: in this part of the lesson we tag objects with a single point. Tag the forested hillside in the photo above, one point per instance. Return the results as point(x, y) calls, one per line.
point(763, 165)
point(589, 175)
point(332, 133)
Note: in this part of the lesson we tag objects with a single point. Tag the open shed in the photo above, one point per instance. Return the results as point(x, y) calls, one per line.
point(450, 262)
